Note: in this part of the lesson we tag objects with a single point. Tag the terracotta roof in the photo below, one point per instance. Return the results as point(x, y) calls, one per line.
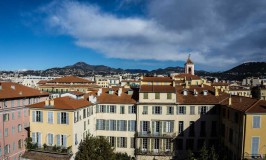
point(77, 93)
point(11, 90)
point(187, 76)
point(157, 88)
point(130, 80)
point(124, 98)
point(42, 82)
point(240, 103)
point(70, 79)
point(258, 107)
point(190, 98)
point(220, 84)
point(157, 79)
point(69, 86)
point(238, 89)
point(65, 103)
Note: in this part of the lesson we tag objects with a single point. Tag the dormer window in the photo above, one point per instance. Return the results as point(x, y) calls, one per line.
point(130, 92)
point(195, 92)
point(205, 92)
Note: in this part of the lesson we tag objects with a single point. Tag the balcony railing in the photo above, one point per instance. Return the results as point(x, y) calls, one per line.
point(154, 152)
point(156, 135)
point(53, 150)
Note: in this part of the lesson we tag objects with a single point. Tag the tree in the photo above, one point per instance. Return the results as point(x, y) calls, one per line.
point(99, 148)
point(213, 154)
point(92, 148)
point(203, 153)
point(190, 155)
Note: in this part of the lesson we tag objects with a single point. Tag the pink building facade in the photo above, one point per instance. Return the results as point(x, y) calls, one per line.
point(14, 117)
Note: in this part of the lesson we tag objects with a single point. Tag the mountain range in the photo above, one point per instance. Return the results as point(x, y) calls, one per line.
point(255, 69)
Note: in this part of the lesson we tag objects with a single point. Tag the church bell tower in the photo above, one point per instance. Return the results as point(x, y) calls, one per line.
point(189, 66)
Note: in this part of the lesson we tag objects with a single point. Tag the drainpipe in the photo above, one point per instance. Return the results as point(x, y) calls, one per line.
point(243, 138)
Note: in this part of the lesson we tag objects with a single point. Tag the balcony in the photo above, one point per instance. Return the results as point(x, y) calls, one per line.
point(155, 152)
point(155, 135)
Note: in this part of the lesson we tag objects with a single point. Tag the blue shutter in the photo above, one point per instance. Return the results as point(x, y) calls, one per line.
point(129, 123)
point(185, 109)
point(67, 118)
point(115, 108)
point(97, 108)
point(255, 145)
point(41, 116)
point(141, 124)
point(39, 139)
point(161, 110)
point(153, 109)
point(33, 116)
point(58, 117)
point(58, 140)
point(64, 141)
point(33, 136)
point(177, 109)
point(129, 109)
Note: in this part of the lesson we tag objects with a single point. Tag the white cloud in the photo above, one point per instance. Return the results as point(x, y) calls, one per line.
point(127, 37)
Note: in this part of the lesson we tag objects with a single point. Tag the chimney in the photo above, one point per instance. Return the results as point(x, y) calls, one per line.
point(195, 92)
point(185, 92)
point(202, 86)
point(130, 92)
point(119, 91)
point(230, 100)
point(205, 92)
point(216, 92)
point(111, 91)
point(13, 87)
point(51, 102)
point(1, 86)
point(46, 102)
point(20, 93)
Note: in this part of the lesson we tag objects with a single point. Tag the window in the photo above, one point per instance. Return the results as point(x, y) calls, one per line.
point(256, 122)
point(156, 143)
point(76, 139)
point(100, 124)
point(61, 140)
point(7, 149)
point(12, 103)
point(14, 146)
point(132, 142)
point(157, 110)
point(50, 117)
point(192, 110)
point(179, 144)
point(112, 125)
point(122, 142)
point(19, 114)
point(157, 95)
point(145, 110)
point(214, 129)
point(13, 115)
point(50, 139)
point(181, 109)
point(144, 143)
point(168, 126)
point(255, 145)
point(62, 118)
point(101, 109)
point(37, 116)
point(84, 113)
point(131, 109)
point(202, 128)
point(167, 144)
point(191, 128)
point(145, 96)
point(112, 141)
point(25, 112)
point(122, 109)
point(85, 125)
point(112, 109)
point(145, 125)
point(13, 130)
point(6, 117)
point(36, 138)
point(132, 125)
point(19, 128)
point(180, 128)
point(170, 110)
point(231, 135)
point(190, 144)
point(203, 109)
point(6, 132)
point(121, 125)
point(20, 144)
point(169, 95)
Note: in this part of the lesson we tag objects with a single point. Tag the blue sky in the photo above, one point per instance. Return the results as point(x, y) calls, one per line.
point(131, 33)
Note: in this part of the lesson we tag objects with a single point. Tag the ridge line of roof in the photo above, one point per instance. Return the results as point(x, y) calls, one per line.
point(252, 105)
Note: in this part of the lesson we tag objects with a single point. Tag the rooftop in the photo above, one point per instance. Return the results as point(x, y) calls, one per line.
point(70, 79)
point(9, 90)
